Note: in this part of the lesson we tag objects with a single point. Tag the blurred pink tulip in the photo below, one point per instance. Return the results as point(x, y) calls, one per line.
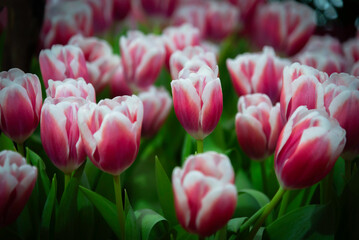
point(198, 101)
point(62, 62)
point(102, 14)
point(247, 8)
point(20, 104)
point(17, 180)
point(286, 26)
point(60, 134)
point(204, 192)
point(327, 43)
point(302, 85)
point(258, 124)
point(162, 8)
point(258, 73)
point(341, 100)
point(307, 148)
point(157, 105)
point(355, 69)
point(118, 84)
point(121, 8)
point(142, 58)
point(111, 132)
point(351, 50)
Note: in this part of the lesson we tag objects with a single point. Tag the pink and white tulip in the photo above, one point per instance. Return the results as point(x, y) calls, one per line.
point(198, 101)
point(118, 83)
point(204, 192)
point(258, 124)
point(60, 134)
point(307, 148)
point(341, 100)
point(355, 69)
point(61, 62)
point(161, 8)
point(257, 73)
point(102, 14)
point(327, 42)
point(142, 58)
point(20, 104)
point(247, 9)
point(157, 105)
point(351, 50)
point(111, 132)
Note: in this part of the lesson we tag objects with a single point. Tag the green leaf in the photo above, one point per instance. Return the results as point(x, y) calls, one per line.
point(187, 147)
point(234, 224)
point(105, 207)
point(131, 224)
point(165, 194)
point(35, 160)
point(48, 211)
point(6, 143)
point(151, 224)
point(258, 196)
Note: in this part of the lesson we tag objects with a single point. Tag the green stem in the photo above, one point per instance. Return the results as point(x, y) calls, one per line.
point(251, 220)
point(67, 179)
point(348, 170)
point(284, 204)
point(199, 146)
point(305, 196)
point(264, 177)
point(119, 204)
point(222, 233)
point(326, 188)
point(21, 149)
point(266, 212)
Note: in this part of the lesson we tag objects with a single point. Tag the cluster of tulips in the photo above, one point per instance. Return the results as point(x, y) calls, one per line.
point(300, 109)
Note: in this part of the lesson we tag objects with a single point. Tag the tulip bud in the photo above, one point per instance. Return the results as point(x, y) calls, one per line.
point(307, 148)
point(17, 180)
point(341, 100)
point(258, 124)
point(62, 62)
point(258, 73)
point(111, 132)
point(198, 101)
point(20, 104)
point(157, 104)
point(71, 88)
point(204, 192)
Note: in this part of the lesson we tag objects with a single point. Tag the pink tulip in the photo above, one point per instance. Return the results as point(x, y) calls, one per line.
point(118, 84)
point(71, 88)
point(302, 85)
point(258, 124)
point(341, 100)
point(307, 148)
point(157, 105)
point(198, 101)
point(258, 73)
point(351, 50)
point(355, 69)
point(102, 14)
point(204, 192)
point(164, 8)
point(60, 135)
point(247, 8)
point(100, 61)
point(328, 43)
point(65, 19)
point(20, 104)
point(121, 8)
point(142, 58)
point(111, 132)
point(179, 59)
point(17, 179)
point(286, 26)
point(62, 62)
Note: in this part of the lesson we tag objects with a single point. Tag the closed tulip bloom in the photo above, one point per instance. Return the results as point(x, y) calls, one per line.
point(118, 83)
point(258, 73)
point(20, 104)
point(327, 42)
point(61, 62)
point(302, 85)
point(142, 58)
point(247, 9)
point(60, 134)
point(111, 132)
point(157, 105)
point(307, 148)
point(17, 180)
point(258, 124)
point(71, 88)
point(198, 101)
point(204, 192)
point(102, 14)
point(341, 100)
point(351, 50)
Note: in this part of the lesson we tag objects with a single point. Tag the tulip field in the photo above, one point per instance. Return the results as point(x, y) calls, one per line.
point(176, 119)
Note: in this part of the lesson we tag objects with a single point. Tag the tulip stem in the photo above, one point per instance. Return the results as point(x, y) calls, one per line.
point(284, 204)
point(21, 149)
point(199, 146)
point(305, 196)
point(222, 233)
point(67, 179)
point(264, 177)
point(348, 169)
point(119, 204)
point(266, 212)
point(250, 221)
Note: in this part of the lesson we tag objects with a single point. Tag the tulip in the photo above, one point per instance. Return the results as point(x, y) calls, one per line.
point(102, 14)
point(318, 43)
point(258, 124)
point(247, 9)
point(17, 180)
point(341, 99)
point(118, 84)
point(258, 73)
point(204, 192)
point(121, 8)
point(302, 85)
point(20, 104)
point(351, 50)
point(71, 88)
point(62, 62)
point(163, 8)
point(198, 101)
point(157, 104)
point(355, 69)
point(142, 59)
point(111, 132)
point(179, 59)
point(307, 148)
